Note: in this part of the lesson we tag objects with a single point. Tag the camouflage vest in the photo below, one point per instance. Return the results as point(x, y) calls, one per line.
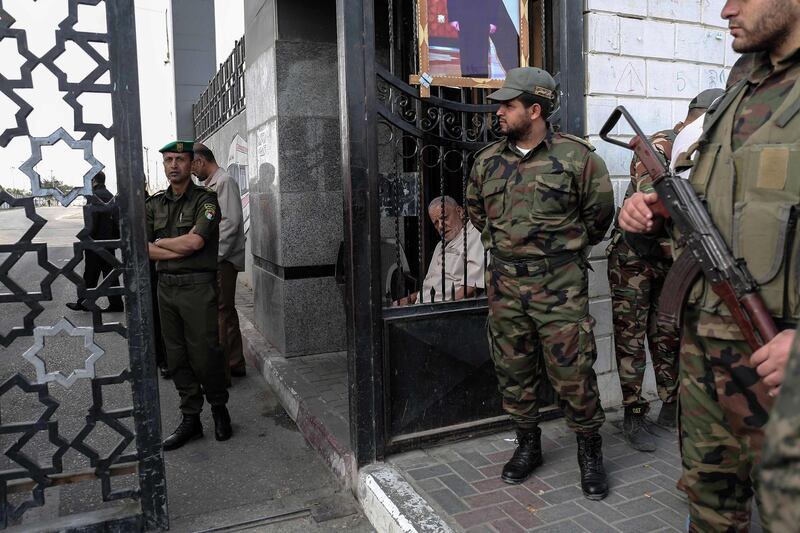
point(752, 194)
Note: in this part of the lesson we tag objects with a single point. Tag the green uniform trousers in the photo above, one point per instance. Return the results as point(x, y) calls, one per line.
point(636, 285)
point(723, 410)
point(188, 307)
point(547, 310)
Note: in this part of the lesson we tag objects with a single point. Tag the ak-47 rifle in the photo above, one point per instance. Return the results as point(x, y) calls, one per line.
point(706, 250)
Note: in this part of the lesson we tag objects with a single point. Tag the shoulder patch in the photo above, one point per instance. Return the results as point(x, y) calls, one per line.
point(580, 140)
point(209, 210)
point(485, 149)
point(155, 195)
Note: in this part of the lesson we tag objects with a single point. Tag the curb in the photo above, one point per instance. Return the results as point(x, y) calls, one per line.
point(270, 363)
point(393, 506)
point(389, 502)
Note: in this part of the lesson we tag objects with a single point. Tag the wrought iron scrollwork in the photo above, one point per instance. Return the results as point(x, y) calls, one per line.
point(435, 120)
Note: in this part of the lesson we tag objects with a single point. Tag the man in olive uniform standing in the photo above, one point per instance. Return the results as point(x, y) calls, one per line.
point(636, 276)
point(745, 170)
point(540, 198)
point(183, 231)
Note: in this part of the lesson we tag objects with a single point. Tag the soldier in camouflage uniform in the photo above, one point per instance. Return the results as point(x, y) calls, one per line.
point(636, 277)
point(746, 171)
point(540, 198)
point(780, 466)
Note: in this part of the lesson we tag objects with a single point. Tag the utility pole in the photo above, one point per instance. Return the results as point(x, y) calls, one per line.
point(147, 167)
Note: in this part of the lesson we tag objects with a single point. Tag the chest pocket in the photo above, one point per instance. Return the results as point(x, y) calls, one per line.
point(551, 195)
point(160, 225)
point(185, 222)
point(494, 198)
point(704, 164)
point(767, 172)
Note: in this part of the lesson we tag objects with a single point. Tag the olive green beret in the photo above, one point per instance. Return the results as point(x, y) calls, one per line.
point(179, 147)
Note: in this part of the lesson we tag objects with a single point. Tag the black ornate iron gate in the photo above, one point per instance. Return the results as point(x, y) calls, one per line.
point(420, 372)
point(95, 425)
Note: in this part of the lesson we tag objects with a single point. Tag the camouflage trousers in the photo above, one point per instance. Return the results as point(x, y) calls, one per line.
point(779, 475)
point(635, 288)
point(723, 410)
point(547, 311)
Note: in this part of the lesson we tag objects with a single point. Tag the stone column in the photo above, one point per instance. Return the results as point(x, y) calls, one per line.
point(194, 57)
point(291, 83)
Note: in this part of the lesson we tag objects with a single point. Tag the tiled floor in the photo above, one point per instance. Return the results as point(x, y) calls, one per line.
point(462, 481)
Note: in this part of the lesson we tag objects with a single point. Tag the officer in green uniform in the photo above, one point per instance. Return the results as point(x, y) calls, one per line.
point(540, 198)
point(183, 232)
point(746, 169)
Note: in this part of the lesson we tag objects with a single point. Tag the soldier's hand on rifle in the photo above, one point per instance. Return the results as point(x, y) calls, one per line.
point(770, 360)
point(636, 216)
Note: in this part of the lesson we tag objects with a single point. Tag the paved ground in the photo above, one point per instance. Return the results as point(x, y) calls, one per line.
point(266, 478)
point(462, 481)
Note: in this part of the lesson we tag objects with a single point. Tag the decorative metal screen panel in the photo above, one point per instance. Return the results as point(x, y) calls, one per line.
point(79, 409)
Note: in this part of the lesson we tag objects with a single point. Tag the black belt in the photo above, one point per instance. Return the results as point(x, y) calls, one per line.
point(195, 278)
point(533, 267)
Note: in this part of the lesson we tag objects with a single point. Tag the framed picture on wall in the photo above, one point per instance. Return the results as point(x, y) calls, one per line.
point(470, 43)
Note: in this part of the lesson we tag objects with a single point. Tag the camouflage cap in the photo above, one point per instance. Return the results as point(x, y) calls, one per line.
point(180, 147)
point(531, 80)
point(705, 98)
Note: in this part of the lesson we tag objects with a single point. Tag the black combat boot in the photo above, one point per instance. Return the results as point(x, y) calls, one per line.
point(527, 456)
point(590, 460)
point(222, 422)
point(634, 431)
point(668, 415)
point(190, 428)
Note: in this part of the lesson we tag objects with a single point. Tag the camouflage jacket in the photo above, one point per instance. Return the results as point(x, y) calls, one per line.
point(557, 198)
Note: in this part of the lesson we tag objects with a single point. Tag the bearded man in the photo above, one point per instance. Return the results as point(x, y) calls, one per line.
point(540, 198)
point(746, 171)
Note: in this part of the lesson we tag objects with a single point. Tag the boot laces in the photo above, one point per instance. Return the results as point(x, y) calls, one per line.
point(591, 458)
point(526, 447)
point(638, 422)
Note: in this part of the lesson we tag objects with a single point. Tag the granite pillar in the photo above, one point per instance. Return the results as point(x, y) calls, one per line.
point(291, 83)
